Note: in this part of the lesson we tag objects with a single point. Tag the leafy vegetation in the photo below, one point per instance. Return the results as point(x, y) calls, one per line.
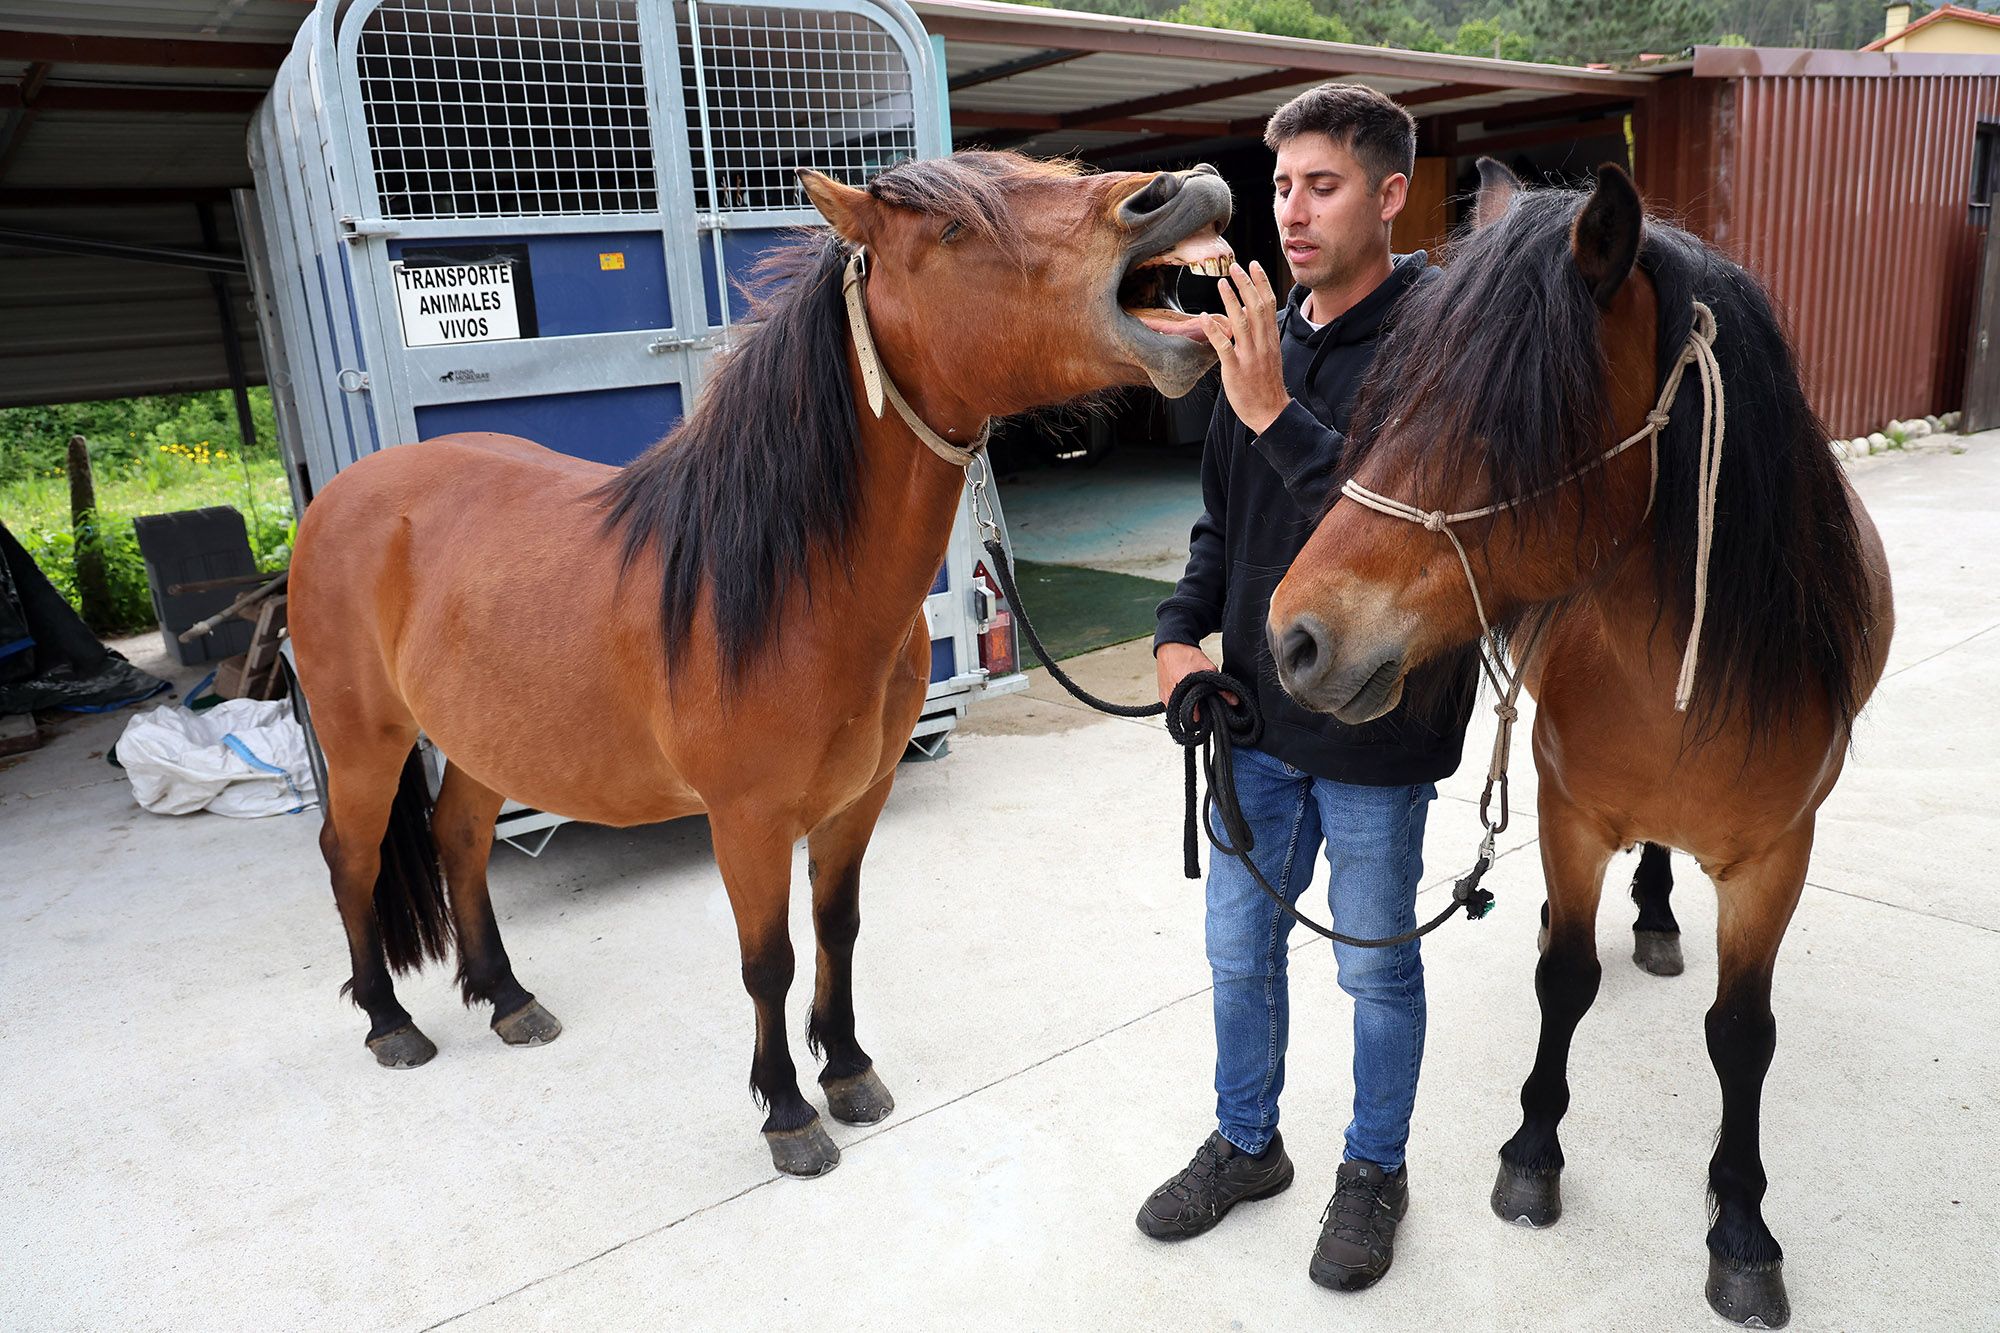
point(149, 456)
point(1557, 31)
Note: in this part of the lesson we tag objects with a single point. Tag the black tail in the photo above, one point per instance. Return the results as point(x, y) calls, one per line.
point(410, 904)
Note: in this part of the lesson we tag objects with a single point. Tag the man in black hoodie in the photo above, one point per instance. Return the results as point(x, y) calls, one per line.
point(1344, 157)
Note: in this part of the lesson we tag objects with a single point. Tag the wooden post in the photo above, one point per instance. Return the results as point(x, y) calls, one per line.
point(93, 586)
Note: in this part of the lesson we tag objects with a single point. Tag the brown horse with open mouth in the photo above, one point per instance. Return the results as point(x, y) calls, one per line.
point(733, 624)
point(1590, 438)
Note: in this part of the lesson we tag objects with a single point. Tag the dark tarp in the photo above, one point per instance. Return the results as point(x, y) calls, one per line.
point(48, 656)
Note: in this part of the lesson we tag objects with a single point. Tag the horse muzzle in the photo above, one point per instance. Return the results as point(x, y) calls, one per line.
point(1353, 683)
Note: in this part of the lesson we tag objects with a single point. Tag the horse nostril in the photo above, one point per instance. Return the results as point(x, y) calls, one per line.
point(1299, 652)
point(1156, 194)
point(1202, 169)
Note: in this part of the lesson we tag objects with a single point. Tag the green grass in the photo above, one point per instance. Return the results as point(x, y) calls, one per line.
point(1077, 610)
point(165, 479)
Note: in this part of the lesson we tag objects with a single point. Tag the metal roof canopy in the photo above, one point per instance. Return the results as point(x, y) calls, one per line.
point(123, 121)
point(1034, 79)
point(121, 135)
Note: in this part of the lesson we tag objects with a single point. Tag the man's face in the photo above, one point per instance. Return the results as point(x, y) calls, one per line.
point(1332, 224)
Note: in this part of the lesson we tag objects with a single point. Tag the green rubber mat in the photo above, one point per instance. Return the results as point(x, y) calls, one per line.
point(1077, 610)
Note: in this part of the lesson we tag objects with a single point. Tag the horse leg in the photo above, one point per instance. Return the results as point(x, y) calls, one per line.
point(756, 861)
point(463, 827)
point(1656, 936)
point(1575, 852)
point(365, 783)
point(854, 1094)
point(1746, 1281)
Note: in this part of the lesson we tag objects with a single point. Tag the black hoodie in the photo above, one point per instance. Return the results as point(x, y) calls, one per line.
point(1262, 494)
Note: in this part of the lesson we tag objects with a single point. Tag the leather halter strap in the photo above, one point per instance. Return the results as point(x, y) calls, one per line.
point(875, 377)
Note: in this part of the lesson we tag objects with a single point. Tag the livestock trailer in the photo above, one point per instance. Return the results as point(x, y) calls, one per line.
point(525, 216)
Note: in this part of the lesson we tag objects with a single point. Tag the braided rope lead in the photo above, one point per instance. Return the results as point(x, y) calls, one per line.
point(1208, 728)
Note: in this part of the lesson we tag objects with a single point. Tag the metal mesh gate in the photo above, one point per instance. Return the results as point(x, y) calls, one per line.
point(770, 90)
point(507, 108)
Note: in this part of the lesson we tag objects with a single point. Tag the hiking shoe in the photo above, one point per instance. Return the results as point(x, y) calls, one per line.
point(1219, 1178)
point(1357, 1235)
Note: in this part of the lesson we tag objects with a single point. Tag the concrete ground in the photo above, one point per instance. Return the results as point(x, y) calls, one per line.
point(1129, 514)
point(192, 1134)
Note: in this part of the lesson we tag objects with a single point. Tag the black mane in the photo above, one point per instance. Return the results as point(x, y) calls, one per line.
point(762, 475)
point(1502, 353)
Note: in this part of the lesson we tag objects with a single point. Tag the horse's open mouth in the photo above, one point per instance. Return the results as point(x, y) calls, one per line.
point(1150, 290)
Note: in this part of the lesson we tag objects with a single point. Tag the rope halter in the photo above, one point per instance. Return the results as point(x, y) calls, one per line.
point(1698, 352)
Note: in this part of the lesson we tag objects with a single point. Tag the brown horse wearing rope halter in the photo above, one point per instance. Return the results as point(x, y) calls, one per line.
point(733, 624)
point(1554, 449)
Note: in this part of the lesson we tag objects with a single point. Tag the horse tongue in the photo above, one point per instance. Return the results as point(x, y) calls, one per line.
point(1183, 326)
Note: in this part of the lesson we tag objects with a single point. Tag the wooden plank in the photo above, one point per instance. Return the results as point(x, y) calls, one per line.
point(210, 585)
point(57, 49)
point(1982, 363)
point(1421, 224)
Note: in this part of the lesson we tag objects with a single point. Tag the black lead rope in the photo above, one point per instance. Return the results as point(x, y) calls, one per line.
point(1208, 727)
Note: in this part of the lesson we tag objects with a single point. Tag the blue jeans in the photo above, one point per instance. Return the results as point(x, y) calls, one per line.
point(1374, 841)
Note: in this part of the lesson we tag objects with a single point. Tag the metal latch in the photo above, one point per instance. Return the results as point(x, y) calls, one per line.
point(352, 381)
point(354, 229)
point(707, 342)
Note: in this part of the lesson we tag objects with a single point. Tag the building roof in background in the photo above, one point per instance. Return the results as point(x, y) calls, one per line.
point(1942, 14)
point(1043, 80)
point(120, 120)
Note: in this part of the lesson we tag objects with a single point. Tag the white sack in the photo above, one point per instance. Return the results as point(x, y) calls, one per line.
point(243, 757)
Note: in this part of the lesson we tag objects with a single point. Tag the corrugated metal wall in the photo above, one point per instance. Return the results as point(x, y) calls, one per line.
point(1848, 197)
point(74, 328)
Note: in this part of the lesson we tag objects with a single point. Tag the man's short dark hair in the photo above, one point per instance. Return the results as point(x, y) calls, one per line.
point(1380, 134)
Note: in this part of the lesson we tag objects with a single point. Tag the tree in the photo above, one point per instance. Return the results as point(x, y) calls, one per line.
point(1125, 9)
point(1280, 18)
point(1582, 31)
point(1489, 37)
point(1388, 23)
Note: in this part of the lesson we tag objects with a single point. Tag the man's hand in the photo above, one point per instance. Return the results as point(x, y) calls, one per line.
point(1246, 341)
point(1177, 661)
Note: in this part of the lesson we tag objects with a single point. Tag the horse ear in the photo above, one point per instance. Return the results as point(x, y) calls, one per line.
point(1497, 188)
point(1605, 236)
point(849, 211)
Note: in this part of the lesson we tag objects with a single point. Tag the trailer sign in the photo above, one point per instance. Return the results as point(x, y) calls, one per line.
point(456, 303)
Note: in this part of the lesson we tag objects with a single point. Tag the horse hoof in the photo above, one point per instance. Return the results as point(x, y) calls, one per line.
point(805, 1151)
point(859, 1099)
point(1658, 952)
point(1528, 1198)
point(530, 1025)
point(1752, 1295)
point(405, 1048)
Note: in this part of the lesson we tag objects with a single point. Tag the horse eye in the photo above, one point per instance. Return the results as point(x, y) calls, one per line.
point(950, 233)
